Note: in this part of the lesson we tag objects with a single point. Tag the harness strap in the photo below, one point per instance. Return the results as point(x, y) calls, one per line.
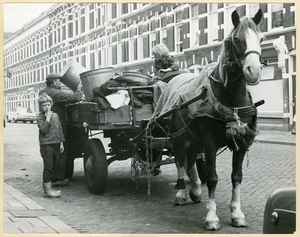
point(188, 130)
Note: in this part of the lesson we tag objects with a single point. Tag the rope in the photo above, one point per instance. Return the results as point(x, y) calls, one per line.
point(148, 130)
point(247, 159)
point(134, 167)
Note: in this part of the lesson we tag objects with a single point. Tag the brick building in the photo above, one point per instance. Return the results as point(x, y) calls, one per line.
point(121, 35)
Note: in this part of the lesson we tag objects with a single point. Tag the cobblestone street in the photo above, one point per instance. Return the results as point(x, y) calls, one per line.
point(125, 207)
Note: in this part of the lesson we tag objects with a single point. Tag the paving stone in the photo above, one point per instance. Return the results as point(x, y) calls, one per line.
point(11, 230)
point(16, 204)
point(39, 230)
point(28, 213)
point(37, 223)
point(6, 219)
point(58, 225)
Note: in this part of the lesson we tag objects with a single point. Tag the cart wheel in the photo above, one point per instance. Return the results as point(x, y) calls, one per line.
point(95, 166)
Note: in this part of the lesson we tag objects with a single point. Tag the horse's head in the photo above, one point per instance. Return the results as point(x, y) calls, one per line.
point(245, 44)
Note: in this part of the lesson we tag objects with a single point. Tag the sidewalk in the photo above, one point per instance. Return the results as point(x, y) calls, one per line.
point(23, 215)
point(276, 137)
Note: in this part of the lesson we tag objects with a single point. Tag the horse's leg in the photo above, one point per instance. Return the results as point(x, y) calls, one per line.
point(237, 216)
point(195, 191)
point(211, 220)
point(179, 148)
point(180, 197)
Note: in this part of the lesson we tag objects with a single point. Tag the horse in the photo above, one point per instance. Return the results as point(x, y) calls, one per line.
point(227, 119)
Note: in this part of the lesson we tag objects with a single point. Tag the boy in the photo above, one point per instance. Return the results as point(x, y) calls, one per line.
point(51, 140)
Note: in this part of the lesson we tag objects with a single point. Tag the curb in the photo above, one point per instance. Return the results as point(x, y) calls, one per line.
point(276, 142)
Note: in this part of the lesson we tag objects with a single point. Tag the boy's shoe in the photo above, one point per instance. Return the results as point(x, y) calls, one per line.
point(49, 192)
point(64, 182)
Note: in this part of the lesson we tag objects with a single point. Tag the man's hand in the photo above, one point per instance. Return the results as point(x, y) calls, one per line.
point(61, 147)
point(79, 87)
point(162, 71)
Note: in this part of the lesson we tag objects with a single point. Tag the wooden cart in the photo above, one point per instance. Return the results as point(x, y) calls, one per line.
point(85, 119)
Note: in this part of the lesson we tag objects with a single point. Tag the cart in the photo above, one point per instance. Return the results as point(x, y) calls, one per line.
point(125, 127)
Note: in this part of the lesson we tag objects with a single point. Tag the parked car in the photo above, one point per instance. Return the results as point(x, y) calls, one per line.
point(280, 212)
point(20, 114)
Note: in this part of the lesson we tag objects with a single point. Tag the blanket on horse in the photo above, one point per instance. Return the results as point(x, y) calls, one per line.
point(186, 86)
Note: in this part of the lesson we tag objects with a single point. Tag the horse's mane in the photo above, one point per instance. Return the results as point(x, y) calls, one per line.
point(245, 23)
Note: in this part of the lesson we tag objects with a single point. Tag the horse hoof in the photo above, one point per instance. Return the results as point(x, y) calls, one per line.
point(179, 202)
point(239, 222)
point(212, 225)
point(195, 198)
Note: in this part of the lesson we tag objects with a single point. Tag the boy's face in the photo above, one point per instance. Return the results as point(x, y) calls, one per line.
point(46, 106)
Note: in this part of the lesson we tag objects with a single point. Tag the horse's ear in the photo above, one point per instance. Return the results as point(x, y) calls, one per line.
point(235, 18)
point(258, 16)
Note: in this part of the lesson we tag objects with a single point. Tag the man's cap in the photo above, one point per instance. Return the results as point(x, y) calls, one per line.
point(52, 76)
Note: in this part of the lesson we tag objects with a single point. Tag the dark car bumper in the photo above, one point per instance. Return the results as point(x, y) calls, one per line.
point(280, 212)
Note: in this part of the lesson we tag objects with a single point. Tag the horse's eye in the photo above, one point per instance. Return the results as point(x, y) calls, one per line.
point(236, 39)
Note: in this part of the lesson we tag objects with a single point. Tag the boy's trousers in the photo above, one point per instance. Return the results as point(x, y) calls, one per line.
point(51, 155)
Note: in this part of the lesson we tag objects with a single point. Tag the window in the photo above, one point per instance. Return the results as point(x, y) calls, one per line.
point(83, 60)
point(70, 27)
point(253, 8)
point(82, 24)
point(277, 15)
point(179, 38)
point(146, 50)
point(109, 55)
point(168, 38)
point(125, 51)
point(124, 8)
point(154, 38)
point(92, 20)
point(133, 49)
point(213, 27)
point(64, 32)
point(194, 10)
point(195, 32)
point(76, 27)
point(213, 7)
point(140, 48)
point(92, 61)
point(114, 10)
point(102, 15)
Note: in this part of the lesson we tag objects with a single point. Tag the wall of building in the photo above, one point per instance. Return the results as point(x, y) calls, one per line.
point(121, 36)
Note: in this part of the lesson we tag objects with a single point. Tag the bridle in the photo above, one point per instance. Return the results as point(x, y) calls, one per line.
point(250, 52)
point(233, 63)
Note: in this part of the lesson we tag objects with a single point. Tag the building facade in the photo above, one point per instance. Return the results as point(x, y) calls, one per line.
point(121, 35)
